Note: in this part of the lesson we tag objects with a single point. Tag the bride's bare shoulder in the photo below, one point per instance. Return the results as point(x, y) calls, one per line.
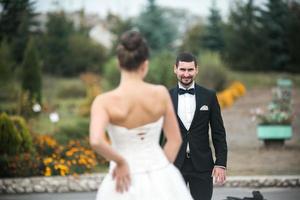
point(103, 100)
point(159, 90)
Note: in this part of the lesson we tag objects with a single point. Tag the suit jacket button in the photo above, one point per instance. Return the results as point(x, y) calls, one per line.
point(187, 132)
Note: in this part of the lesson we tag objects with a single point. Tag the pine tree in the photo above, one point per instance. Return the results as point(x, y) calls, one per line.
point(244, 39)
point(275, 21)
point(31, 73)
point(6, 64)
point(293, 37)
point(153, 24)
point(16, 20)
point(56, 44)
point(213, 38)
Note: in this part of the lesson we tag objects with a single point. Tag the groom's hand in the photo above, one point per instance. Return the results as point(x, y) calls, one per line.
point(219, 174)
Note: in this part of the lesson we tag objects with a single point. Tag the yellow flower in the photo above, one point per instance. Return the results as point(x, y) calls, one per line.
point(47, 160)
point(47, 171)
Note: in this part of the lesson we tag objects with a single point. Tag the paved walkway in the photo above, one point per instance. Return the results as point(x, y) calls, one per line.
point(219, 194)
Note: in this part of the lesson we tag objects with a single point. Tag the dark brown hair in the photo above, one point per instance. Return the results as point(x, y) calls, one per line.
point(186, 57)
point(132, 50)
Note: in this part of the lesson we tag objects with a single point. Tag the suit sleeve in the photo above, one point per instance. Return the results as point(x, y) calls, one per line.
point(218, 132)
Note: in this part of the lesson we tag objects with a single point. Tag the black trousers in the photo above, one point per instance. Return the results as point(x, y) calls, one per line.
point(200, 183)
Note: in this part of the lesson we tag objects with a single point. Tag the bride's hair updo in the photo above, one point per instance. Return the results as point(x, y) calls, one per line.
point(132, 50)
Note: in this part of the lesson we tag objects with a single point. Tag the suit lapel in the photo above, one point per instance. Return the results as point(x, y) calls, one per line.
point(198, 103)
point(174, 96)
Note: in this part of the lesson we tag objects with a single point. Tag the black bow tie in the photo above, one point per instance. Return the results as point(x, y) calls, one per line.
point(190, 91)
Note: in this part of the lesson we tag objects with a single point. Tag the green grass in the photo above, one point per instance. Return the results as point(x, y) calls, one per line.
point(67, 108)
point(263, 80)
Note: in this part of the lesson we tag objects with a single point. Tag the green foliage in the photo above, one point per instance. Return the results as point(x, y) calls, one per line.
point(275, 22)
point(31, 73)
point(212, 72)
point(68, 51)
point(293, 37)
point(161, 69)
point(56, 43)
point(21, 126)
point(10, 138)
point(244, 40)
point(117, 26)
point(213, 39)
point(156, 27)
point(263, 38)
point(78, 131)
point(111, 74)
point(84, 55)
point(16, 19)
point(71, 91)
point(21, 165)
point(192, 41)
point(6, 65)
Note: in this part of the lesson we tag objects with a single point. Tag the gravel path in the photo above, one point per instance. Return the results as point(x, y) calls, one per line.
point(247, 155)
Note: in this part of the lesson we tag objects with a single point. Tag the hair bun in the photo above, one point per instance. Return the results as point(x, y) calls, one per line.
point(131, 40)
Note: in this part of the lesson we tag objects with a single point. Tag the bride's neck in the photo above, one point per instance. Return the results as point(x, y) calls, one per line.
point(128, 78)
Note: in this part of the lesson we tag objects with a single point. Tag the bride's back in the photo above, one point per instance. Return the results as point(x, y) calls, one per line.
point(133, 105)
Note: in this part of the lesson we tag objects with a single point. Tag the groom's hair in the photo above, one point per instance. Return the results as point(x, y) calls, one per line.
point(186, 57)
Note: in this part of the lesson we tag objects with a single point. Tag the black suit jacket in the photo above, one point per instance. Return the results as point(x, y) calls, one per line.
point(198, 134)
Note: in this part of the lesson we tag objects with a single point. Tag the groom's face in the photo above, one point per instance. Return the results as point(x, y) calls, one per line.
point(186, 72)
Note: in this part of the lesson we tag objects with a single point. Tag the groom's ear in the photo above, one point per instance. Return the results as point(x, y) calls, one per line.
point(175, 69)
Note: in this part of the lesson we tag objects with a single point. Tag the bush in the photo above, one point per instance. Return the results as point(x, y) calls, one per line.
point(10, 138)
point(111, 74)
point(72, 91)
point(66, 133)
point(161, 69)
point(212, 72)
point(22, 165)
point(21, 126)
point(32, 73)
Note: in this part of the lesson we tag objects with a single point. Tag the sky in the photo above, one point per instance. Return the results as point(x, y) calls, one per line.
point(129, 8)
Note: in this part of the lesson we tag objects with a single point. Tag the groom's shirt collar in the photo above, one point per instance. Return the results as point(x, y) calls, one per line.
point(191, 86)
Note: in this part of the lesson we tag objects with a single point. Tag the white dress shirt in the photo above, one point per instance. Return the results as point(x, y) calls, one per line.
point(186, 108)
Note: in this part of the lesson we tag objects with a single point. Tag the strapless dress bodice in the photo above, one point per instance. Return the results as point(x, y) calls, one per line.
point(139, 146)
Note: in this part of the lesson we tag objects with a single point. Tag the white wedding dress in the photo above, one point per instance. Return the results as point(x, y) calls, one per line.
point(152, 175)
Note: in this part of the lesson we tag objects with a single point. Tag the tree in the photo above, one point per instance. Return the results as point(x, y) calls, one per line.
point(244, 39)
point(153, 24)
point(56, 43)
point(31, 73)
point(293, 37)
point(192, 40)
point(16, 20)
point(275, 21)
point(117, 26)
point(213, 38)
point(6, 64)
point(86, 56)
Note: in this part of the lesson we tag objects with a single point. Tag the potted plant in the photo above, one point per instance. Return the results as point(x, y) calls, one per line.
point(275, 125)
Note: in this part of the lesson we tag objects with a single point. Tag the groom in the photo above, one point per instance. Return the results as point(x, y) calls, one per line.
point(197, 108)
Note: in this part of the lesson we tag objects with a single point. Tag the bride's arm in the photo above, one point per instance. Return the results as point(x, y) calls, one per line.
point(98, 122)
point(171, 130)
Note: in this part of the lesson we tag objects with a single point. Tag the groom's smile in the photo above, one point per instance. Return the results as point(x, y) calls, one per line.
point(186, 72)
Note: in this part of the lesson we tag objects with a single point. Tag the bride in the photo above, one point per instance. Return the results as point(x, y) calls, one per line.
point(134, 114)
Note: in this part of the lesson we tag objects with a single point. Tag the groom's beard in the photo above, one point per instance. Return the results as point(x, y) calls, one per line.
point(186, 83)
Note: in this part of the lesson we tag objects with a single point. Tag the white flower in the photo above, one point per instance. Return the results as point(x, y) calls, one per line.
point(54, 117)
point(36, 107)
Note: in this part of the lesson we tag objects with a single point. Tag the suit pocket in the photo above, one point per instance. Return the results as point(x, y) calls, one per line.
point(203, 116)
